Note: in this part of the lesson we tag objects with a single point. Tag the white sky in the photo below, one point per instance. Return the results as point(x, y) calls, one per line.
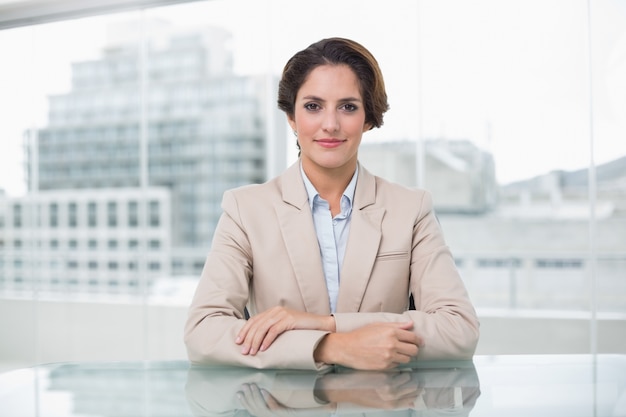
point(512, 76)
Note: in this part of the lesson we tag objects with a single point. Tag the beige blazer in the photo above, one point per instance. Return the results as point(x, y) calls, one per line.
point(265, 253)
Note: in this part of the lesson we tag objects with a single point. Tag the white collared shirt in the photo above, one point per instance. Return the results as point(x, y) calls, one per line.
point(332, 233)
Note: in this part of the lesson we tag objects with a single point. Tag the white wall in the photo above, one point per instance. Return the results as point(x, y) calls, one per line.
point(46, 331)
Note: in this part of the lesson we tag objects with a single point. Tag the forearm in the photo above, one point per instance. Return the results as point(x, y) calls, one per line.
point(213, 342)
point(447, 332)
point(329, 348)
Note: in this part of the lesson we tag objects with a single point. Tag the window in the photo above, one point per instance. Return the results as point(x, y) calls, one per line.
point(54, 214)
point(479, 120)
point(92, 214)
point(133, 214)
point(559, 263)
point(72, 215)
point(499, 263)
point(154, 214)
point(17, 216)
point(112, 214)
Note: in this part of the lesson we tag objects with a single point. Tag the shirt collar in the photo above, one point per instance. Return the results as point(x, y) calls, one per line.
point(312, 192)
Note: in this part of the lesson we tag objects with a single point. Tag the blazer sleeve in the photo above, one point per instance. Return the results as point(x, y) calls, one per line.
point(444, 314)
point(216, 313)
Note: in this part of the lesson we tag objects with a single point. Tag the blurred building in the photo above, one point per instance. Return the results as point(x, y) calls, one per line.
point(115, 241)
point(186, 123)
point(526, 244)
point(460, 176)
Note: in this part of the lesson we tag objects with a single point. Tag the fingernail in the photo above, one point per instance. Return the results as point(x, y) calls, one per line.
point(238, 339)
point(245, 350)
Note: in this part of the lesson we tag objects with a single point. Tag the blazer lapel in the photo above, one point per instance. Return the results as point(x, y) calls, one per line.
point(296, 225)
point(363, 243)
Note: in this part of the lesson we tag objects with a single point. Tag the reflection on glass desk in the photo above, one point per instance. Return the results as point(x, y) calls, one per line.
point(550, 385)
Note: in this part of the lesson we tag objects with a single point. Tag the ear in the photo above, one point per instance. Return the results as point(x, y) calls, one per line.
point(367, 126)
point(292, 122)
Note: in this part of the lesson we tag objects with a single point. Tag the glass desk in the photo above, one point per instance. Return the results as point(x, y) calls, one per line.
point(551, 385)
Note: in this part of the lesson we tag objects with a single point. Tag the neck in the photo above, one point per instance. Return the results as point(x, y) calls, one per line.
point(330, 183)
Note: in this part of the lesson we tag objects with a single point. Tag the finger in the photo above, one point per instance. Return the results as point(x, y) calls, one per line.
point(398, 379)
point(249, 324)
point(251, 401)
point(257, 395)
point(405, 355)
point(408, 336)
point(265, 330)
point(403, 385)
point(271, 402)
point(241, 336)
point(407, 348)
point(244, 396)
point(248, 335)
point(420, 341)
point(249, 346)
point(402, 325)
point(271, 336)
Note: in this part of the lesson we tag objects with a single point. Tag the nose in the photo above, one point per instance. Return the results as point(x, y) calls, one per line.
point(330, 122)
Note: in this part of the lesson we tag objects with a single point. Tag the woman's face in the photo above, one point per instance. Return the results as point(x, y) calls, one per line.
point(329, 118)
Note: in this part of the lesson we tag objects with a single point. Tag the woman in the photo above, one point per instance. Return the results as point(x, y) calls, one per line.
point(325, 255)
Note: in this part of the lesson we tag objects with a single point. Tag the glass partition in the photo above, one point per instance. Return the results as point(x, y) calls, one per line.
point(122, 131)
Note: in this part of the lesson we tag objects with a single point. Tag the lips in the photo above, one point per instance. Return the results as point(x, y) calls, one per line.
point(329, 143)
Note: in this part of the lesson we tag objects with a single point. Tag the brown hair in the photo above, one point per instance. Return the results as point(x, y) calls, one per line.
point(336, 51)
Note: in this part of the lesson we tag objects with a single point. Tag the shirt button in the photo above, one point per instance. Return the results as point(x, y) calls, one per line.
point(334, 222)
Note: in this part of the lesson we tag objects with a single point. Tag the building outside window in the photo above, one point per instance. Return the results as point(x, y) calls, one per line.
point(134, 136)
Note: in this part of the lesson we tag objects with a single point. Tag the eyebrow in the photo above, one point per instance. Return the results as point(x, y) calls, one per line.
point(343, 100)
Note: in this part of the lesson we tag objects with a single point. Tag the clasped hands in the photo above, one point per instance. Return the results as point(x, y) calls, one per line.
point(376, 346)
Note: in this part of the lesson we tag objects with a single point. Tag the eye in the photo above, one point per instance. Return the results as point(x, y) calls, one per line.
point(349, 107)
point(312, 106)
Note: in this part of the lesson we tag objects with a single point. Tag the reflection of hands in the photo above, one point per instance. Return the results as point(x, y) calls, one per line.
point(262, 329)
point(260, 403)
point(394, 390)
point(428, 390)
